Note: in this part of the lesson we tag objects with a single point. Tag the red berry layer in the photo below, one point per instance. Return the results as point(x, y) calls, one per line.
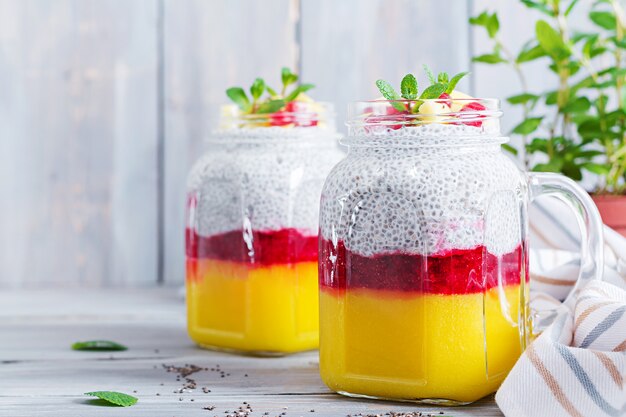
point(267, 247)
point(457, 271)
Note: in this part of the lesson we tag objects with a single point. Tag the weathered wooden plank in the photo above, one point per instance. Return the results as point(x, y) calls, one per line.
point(42, 376)
point(210, 46)
point(77, 145)
point(347, 45)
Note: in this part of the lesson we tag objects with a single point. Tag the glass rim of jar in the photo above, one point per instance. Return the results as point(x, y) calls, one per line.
point(382, 112)
point(463, 121)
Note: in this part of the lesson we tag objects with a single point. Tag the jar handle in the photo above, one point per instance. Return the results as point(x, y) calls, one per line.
point(587, 216)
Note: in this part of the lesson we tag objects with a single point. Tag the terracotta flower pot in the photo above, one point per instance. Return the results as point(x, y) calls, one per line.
point(613, 211)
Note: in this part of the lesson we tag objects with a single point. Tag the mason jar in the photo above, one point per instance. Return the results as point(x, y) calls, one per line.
point(252, 227)
point(424, 254)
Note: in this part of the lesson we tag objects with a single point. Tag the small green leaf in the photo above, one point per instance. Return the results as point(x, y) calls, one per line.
point(554, 165)
point(570, 7)
point(551, 97)
point(390, 94)
point(302, 88)
point(509, 148)
point(541, 6)
point(271, 106)
point(578, 105)
point(443, 78)
point(432, 92)
point(605, 20)
point(257, 89)
point(600, 169)
point(117, 398)
point(455, 80)
point(387, 90)
point(270, 90)
point(488, 21)
point(537, 145)
point(522, 98)
point(489, 59)
point(408, 87)
point(528, 126)
point(239, 97)
point(288, 77)
point(429, 74)
point(98, 345)
point(551, 41)
point(530, 54)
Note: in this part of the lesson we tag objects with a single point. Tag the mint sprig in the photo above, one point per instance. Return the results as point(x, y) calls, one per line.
point(115, 398)
point(272, 102)
point(98, 346)
point(439, 85)
point(408, 87)
point(455, 80)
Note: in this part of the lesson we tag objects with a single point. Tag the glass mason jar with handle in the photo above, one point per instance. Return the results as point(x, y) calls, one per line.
point(424, 254)
point(252, 225)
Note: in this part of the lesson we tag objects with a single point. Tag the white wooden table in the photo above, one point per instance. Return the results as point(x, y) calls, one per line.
point(41, 376)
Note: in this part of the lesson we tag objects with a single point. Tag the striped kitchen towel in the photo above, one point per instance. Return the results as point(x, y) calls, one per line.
point(577, 366)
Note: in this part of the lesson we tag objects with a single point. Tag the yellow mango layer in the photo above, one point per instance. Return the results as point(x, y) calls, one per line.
point(259, 310)
point(389, 344)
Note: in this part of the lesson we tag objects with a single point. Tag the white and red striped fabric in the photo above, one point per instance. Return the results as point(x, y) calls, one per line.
point(577, 366)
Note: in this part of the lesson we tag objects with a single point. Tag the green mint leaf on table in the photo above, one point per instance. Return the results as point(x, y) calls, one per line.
point(528, 126)
point(429, 74)
point(296, 92)
point(605, 20)
point(390, 94)
point(551, 41)
point(117, 398)
point(98, 345)
point(433, 91)
point(408, 87)
point(271, 106)
point(239, 97)
point(454, 81)
point(257, 89)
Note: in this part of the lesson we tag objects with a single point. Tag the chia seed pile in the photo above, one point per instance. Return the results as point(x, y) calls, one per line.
point(426, 199)
point(263, 179)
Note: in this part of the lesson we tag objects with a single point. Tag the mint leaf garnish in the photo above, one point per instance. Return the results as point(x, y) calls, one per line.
point(98, 345)
point(270, 90)
point(287, 78)
point(271, 106)
point(429, 74)
point(239, 97)
point(117, 398)
point(296, 92)
point(433, 91)
point(390, 94)
point(258, 86)
point(454, 81)
point(443, 78)
point(408, 87)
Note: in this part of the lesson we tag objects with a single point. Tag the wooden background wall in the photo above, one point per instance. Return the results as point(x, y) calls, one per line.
point(104, 104)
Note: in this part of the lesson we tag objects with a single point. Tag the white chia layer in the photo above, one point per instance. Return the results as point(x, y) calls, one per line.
point(424, 199)
point(262, 179)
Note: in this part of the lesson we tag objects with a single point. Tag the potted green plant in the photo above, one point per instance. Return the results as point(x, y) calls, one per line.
point(579, 125)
